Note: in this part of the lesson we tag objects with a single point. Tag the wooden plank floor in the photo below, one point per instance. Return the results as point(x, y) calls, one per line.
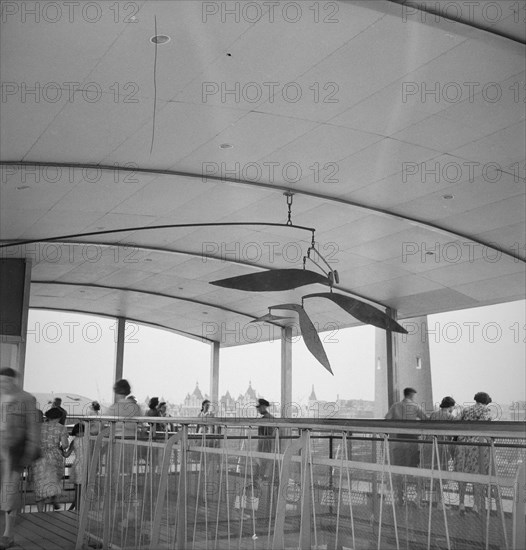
point(44, 531)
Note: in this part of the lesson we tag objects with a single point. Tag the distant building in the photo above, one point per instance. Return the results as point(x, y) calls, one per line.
point(192, 402)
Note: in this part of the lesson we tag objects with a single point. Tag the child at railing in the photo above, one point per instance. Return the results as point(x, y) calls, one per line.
point(78, 467)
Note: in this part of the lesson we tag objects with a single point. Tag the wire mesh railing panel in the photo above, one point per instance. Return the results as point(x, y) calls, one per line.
point(239, 486)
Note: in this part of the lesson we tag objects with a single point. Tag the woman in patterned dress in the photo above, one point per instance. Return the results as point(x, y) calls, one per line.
point(49, 468)
point(474, 460)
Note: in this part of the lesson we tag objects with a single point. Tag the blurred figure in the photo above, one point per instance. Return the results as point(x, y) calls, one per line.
point(125, 406)
point(473, 460)
point(123, 455)
point(78, 470)
point(402, 453)
point(48, 470)
point(57, 404)
point(20, 446)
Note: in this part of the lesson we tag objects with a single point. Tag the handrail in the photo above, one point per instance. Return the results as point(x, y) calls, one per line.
point(500, 429)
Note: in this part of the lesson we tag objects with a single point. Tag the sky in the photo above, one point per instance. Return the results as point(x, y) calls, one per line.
point(472, 350)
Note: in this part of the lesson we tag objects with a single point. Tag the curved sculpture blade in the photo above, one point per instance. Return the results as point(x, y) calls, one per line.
point(270, 318)
point(310, 336)
point(363, 312)
point(272, 280)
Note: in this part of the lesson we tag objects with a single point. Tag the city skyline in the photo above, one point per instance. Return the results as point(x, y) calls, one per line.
point(464, 356)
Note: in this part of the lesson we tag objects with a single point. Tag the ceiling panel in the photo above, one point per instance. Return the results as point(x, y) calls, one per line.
point(376, 125)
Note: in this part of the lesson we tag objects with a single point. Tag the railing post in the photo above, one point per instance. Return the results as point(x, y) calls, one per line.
point(110, 471)
point(306, 493)
point(278, 542)
point(519, 531)
point(94, 460)
point(161, 495)
point(180, 537)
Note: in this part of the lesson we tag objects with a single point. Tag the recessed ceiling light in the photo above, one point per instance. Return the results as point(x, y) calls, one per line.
point(148, 260)
point(160, 39)
point(24, 187)
point(180, 288)
point(447, 197)
point(226, 146)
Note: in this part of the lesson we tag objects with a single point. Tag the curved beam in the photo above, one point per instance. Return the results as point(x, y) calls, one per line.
point(176, 173)
point(149, 293)
point(147, 323)
point(434, 9)
point(194, 255)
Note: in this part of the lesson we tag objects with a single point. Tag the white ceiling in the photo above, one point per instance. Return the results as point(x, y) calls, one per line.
point(374, 150)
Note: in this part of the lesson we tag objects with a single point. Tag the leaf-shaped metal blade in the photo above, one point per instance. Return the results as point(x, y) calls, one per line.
point(363, 312)
point(310, 336)
point(270, 318)
point(272, 280)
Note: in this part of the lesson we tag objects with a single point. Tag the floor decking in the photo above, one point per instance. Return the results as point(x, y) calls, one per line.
point(45, 531)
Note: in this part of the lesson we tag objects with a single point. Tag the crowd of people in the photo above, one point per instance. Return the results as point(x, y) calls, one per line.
point(41, 440)
point(462, 458)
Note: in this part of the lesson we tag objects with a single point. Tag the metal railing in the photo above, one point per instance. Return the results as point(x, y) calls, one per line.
point(310, 484)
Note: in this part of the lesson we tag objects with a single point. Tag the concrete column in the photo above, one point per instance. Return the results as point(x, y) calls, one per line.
point(119, 355)
point(403, 360)
point(286, 371)
point(214, 376)
point(15, 285)
point(391, 362)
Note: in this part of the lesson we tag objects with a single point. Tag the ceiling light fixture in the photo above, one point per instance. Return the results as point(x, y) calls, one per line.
point(447, 197)
point(226, 146)
point(160, 39)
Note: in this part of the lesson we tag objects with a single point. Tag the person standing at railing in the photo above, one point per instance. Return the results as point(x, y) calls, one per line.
point(428, 454)
point(57, 404)
point(48, 470)
point(153, 411)
point(266, 438)
point(20, 446)
point(78, 468)
point(402, 453)
point(474, 459)
point(124, 443)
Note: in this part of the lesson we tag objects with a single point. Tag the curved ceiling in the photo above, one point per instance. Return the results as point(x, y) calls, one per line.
point(401, 133)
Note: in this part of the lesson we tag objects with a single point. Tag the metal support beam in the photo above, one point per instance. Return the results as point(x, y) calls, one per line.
point(392, 373)
point(214, 376)
point(119, 355)
point(286, 371)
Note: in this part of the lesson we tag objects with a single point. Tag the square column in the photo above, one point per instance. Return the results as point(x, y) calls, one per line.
point(286, 371)
point(214, 376)
point(119, 351)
